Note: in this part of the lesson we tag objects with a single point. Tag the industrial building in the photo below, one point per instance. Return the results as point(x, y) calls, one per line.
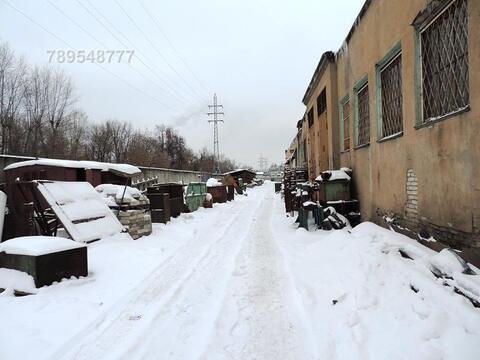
point(399, 104)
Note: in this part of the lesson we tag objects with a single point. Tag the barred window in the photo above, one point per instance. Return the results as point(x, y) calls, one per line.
point(322, 102)
point(310, 117)
point(444, 49)
point(363, 125)
point(391, 95)
point(346, 125)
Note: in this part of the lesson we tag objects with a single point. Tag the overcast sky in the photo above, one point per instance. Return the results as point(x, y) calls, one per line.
point(257, 55)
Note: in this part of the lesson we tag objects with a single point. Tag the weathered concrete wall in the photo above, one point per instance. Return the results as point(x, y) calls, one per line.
point(163, 175)
point(439, 162)
point(443, 156)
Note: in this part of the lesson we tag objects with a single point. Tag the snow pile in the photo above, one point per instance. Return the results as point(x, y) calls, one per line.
point(16, 280)
point(335, 175)
point(208, 197)
point(37, 245)
point(448, 263)
point(352, 287)
point(213, 182)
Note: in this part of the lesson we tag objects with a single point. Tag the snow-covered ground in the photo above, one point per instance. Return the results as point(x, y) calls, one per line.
point(239, 281)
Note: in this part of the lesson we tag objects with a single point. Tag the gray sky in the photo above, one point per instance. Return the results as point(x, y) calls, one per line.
point(257, 55)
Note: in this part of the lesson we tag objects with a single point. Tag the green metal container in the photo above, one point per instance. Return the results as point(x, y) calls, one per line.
point(242, 187)
point(196, 194)
point(334, 190)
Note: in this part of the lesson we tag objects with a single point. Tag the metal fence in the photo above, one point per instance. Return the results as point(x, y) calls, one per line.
point(444, 44)
point(391, 88)
point(363, 116)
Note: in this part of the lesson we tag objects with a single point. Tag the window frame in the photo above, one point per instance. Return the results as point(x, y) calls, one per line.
point(311, 119)
point(359, 86)
point(324, 94)
point(419, 28)
point(342, 103)
point(389, 57)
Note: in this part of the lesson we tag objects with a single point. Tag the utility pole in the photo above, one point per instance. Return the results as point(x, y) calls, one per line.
point(262, 162)
point(215, 121)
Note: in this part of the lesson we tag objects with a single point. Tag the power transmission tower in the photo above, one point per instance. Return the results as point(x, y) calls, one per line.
point(215, 121)
point(262, 162)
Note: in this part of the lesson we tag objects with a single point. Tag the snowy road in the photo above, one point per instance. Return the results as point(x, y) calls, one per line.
point(239, 281)
point(221, 294)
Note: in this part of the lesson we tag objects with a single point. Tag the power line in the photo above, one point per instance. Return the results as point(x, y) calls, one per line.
point(157, 24)
point(169, 86)
point(100, 42)
point(158, 51)
point(215, 121)
point(73, 48)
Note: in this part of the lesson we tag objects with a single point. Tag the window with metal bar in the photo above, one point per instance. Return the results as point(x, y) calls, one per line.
point(444, 50)
point(391, 95)
point(346, 125)
point(322, 102)
point(310, 117)
point(363, 124)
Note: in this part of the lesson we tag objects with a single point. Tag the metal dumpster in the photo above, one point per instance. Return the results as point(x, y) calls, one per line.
point(334, 190)
point(48, 267)
point(159, 207)
point(219, 193)
point(175, 191)
point(278, 187)
point(242, 187)
point(196, 194)
point(230, 192)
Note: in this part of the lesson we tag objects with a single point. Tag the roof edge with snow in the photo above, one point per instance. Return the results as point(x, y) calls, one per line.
point(125, 170)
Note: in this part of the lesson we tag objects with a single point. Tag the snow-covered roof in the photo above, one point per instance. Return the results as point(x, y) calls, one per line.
point(124, 169)
point(239, 170)
point(37, 245)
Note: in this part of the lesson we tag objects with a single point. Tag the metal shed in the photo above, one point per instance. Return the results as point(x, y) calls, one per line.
point(96, 173)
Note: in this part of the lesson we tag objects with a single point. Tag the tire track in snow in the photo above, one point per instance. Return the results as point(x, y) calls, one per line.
point(259, 317)
point(121, 333)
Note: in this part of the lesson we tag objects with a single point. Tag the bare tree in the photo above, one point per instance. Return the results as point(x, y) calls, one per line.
point(35, 108)
point(76, 135)
point(100, 146)
point(37, 117)
point(12, 77)
point(59, 100)
point(121, 139)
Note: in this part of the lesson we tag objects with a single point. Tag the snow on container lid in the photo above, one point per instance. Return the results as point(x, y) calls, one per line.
point(118, 191)
point(213, 182)
point(334, 175)
point(38, 245)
